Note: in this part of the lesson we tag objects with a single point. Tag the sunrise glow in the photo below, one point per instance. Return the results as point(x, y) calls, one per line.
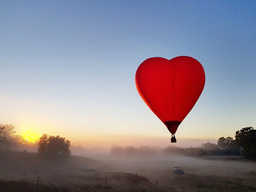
point(29, 136)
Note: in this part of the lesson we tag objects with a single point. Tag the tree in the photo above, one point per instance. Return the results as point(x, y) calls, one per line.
point(6, 132)
point(228, 146)
point(42, 144)
point(227, 143)
point(209, 146)
point(53, 146)
point(130, 150)
point(222, 142)
point(246, 138)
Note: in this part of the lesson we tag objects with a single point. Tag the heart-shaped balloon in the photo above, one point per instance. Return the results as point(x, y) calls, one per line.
point(170, 88)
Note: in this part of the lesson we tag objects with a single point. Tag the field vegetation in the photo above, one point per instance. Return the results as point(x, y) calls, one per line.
point(22, 171)
point(227, 166)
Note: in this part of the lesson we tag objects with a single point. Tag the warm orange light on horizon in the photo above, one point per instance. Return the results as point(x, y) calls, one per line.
point(29, 135)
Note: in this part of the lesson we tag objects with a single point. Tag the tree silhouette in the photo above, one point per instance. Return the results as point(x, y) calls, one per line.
point(222, 142)
point(42, 144)
point(227, 143)
point(209, 146)
point(53, 146)
point(246, 138)
point(228, 146)
point(6, 132)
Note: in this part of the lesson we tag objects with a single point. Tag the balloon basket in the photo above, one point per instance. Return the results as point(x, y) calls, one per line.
point(173, 139)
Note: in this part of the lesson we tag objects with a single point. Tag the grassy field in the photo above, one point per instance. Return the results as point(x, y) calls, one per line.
point(29, 172)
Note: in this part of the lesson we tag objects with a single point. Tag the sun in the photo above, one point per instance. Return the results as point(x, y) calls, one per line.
point(29, 135)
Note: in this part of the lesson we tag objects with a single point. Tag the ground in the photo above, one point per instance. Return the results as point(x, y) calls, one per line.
point(126, 174)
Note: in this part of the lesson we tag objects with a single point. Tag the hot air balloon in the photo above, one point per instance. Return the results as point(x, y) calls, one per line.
point(170, 88)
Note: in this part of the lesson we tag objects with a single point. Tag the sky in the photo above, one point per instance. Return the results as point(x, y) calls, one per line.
point(68, 67)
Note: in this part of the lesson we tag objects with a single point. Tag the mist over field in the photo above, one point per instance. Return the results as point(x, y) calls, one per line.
point(127, 168)
point(55, 164)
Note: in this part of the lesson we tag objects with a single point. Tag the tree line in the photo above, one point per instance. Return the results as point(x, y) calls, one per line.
point(50, 146)
point(244, 144)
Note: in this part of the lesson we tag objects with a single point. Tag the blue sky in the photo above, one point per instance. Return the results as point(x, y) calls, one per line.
point(68, 67)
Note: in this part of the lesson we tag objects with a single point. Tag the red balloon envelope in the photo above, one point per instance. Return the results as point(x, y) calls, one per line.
point(170, 88)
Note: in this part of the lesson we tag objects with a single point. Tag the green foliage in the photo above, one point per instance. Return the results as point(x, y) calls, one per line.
point(246, 138)
point(53, 146)
point(6, 132)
